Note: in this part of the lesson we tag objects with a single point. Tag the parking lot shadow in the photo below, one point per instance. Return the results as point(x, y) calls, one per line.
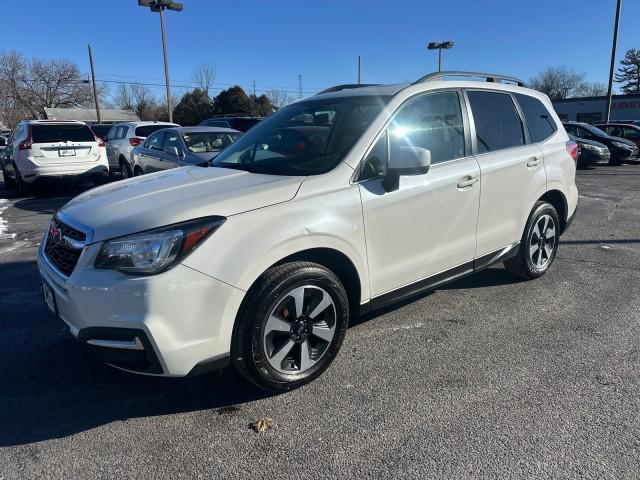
point(52, 387)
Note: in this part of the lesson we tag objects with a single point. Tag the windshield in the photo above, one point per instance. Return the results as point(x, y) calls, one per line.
point(203, 142)
point(304, 138)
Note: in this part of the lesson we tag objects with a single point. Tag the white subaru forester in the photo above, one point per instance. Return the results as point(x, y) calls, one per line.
point(337, 204)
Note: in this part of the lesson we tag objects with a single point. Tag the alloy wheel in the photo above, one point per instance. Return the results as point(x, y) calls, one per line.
point(299, 329)
point(542, 241)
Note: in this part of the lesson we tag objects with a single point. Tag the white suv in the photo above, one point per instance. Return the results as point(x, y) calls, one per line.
point(41, 150)
point(123, 138)
point(334, 205)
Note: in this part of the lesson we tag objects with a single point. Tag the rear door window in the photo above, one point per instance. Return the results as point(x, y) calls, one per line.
point(498, 124)
point(155, 141)
point(52, 133)
point(539, 121)
point(631, 133)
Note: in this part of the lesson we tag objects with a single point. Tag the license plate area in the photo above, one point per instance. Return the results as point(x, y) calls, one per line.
point(49, 297)
point(67, 152)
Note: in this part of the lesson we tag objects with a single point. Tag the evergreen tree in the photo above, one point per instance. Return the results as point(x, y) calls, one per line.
point(629, 73)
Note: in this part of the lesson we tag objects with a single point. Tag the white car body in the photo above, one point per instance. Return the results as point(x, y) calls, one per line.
point(119, 142)
point(425, 232)
point(68, 158)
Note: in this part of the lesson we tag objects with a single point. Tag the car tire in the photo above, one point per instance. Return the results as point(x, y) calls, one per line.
point(8, 182)
point(538, 245)
point(22, 188)
point(125, 169)
point(137, 171)
point(290, 326)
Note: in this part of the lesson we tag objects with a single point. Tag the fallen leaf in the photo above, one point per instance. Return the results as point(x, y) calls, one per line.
point(262, 425)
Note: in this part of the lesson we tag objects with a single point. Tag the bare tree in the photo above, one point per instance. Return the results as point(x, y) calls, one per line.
point(279, 98)
point(33, 85)
point(592, 89)
point(138, 98)
point(557, 82)
point(204, 76)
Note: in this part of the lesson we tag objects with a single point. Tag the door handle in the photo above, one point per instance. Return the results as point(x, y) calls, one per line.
point(533, 162)
point(467, 182)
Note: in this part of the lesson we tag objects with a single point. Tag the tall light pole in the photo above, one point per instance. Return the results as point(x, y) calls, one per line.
point(439, 46)
point(613, 61)
point(93, 81)
point(159, 6)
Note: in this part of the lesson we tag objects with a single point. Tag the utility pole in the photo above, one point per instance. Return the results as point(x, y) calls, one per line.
point(359, 69)
point(93, 81)
point(254, 97)
point(159, 6)
point(613, 61)
point(299, 86)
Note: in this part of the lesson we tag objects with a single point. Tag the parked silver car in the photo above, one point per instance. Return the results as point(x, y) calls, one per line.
point(177, 147)
point(123, 138)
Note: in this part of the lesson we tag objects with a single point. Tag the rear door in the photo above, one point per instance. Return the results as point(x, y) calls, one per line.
point(55, 143)
point(512, 171)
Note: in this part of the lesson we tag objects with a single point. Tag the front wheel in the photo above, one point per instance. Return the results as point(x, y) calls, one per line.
point(538, 245)
point(290, 327)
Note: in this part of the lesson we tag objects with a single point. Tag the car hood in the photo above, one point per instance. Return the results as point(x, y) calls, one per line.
point(622, 140)
point(172, 196)
point(591, 142)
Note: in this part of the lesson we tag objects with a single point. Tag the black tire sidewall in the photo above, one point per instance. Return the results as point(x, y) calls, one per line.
point(542, 209)
point(255, 316)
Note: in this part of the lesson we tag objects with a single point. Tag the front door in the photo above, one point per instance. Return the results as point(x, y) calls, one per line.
point(428, 225)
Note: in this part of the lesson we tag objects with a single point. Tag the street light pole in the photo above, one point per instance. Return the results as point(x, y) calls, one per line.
point(439, 46)
point(613, 61)
point(159, 6)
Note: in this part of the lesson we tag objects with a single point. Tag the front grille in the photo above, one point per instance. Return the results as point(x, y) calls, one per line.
point(59, 251)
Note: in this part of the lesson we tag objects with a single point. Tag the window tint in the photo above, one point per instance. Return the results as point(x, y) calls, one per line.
point(172, 141)
point(155, 141)
point(122, 132)
point(242, 124)
point(146, 130)
point(538, 118)
point(631, 133)
point(498, 124)
point(434, 122)
point(61, 133)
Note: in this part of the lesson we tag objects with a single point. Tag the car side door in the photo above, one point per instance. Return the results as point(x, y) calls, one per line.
point(426, 227)
point(150, 156)
point(511, 169)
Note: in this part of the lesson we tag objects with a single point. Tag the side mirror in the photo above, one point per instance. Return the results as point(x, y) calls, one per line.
point(405, 160)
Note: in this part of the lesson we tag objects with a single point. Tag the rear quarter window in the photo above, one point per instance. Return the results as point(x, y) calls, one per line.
point(61, 133)
point(539, 121)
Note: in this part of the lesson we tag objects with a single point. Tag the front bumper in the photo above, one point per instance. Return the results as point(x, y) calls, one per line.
point(168, 324)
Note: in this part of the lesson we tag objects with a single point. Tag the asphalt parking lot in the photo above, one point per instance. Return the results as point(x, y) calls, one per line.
point(489, 377)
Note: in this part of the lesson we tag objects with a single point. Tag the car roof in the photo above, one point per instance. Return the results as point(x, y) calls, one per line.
point(206, 129)
point(54, 122)
point(149, 122)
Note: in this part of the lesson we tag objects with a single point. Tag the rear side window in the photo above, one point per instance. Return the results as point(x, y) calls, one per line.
point(498, 125)
point(61, 133)
point(539, 121)
point(242, 124)
point(146, 130)
point(155, 141)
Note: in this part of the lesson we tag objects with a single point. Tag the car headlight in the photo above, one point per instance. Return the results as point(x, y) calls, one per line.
point(586, 146)
point(622, 145)
point(157, 250)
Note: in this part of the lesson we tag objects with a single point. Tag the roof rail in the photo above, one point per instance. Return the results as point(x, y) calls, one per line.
point(490, 77)
point(346, 86)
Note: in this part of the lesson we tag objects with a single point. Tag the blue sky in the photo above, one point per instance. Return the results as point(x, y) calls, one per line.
point(272, 41)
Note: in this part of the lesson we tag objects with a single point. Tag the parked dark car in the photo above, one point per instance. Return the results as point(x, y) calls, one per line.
point(182, 146)
point(623, 130)
point(236, 122)
point(101, 129)
point(591, 152)
point(620, 148)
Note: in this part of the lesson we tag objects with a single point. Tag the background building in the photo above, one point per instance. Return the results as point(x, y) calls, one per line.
point(89, 115)
point(592, 109)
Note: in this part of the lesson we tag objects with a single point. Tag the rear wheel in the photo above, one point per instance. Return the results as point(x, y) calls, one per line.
point(9, 182)
point(22, 187)
point(125, 169)
point(137, 171)
point(538, 245)
point(291, 326)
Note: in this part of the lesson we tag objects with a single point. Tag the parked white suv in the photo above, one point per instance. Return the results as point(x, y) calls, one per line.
point(334, 205)
point(123, 138)
point(41, 150)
